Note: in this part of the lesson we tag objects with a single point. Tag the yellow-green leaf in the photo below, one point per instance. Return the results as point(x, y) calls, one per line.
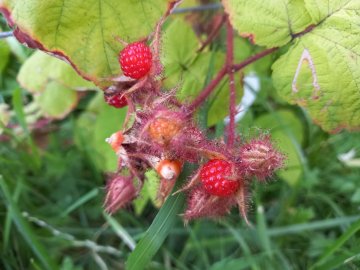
point(56, 101)
point(269, 23)
point(41, 68)
point(84, 32)
point(321, 70)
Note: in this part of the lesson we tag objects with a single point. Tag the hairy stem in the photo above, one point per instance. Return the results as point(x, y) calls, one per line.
point(230, 71)
point(253, 58)
point(212, 85)
point(201, 8)
point(207, 91)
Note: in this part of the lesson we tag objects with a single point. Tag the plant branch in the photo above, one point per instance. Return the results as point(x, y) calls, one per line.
point(6, 34)
point(253, 58)
point(201, 8)
point(213, 34)
point(91, 245)
point(207, 91)
point(230, 71)
point(212, 85)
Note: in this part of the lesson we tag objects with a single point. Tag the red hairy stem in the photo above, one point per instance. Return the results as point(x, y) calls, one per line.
point(213, 34)
point(207, 91)
point(157, 33)
point(253, 58)
point(230, 71)
point(212, 85)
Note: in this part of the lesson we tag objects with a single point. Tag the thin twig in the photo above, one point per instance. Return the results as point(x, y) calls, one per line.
point(230, 71)
point(213, 34)
point(99, 261)
point(253, 58)
point(6, 34)
point(207, 91)
point(94, 247)
point(197, 8)
point(212, 85)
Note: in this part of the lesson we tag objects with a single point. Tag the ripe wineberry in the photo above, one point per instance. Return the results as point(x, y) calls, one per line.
point(116, 101)
point(215, 175)
point(135, 60)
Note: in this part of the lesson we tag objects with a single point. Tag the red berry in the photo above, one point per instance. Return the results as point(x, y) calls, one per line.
point(135, 60)
point(116, 101)
point(215, 177)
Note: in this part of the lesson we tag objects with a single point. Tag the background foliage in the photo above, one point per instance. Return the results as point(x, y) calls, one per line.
point(53, 158)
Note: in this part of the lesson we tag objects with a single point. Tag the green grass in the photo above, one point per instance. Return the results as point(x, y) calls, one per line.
point(52, 217)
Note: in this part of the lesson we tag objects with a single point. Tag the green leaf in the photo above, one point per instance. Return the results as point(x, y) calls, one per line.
point(56, 101)
point(148, 192)
point(287, 133)
point(320, 10)
point(40, 69)
point(271, 23)
point(84, 31)
point(141, 201)
point(175, 57)
point(179, 61)
point(52, 81)
point(321, 71)
point(152, 185)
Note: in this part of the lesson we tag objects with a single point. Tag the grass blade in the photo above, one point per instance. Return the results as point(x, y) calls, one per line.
point(19, 111)
point(158, 230)
point(25, 229)
point(354, 228)
point(340, 260)
point(120, 231)
point(156, 234)
point(263, 231)
point(8, 219)
point(242, 243)
point(82, 200)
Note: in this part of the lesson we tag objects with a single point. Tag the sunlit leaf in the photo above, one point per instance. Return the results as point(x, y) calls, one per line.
point(84, 31)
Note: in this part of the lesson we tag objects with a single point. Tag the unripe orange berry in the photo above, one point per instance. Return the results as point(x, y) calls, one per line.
point(116, 141)
point(169, 169)
point(162, 130)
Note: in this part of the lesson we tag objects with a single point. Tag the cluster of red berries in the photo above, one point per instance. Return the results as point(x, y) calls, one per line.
point(135, 62)
point(162, 136)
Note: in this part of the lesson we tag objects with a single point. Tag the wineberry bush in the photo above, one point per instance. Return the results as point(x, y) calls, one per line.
point(175, 134)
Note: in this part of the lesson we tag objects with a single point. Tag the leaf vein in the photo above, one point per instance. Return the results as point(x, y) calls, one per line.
point(59, 21)
point(102, 37)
